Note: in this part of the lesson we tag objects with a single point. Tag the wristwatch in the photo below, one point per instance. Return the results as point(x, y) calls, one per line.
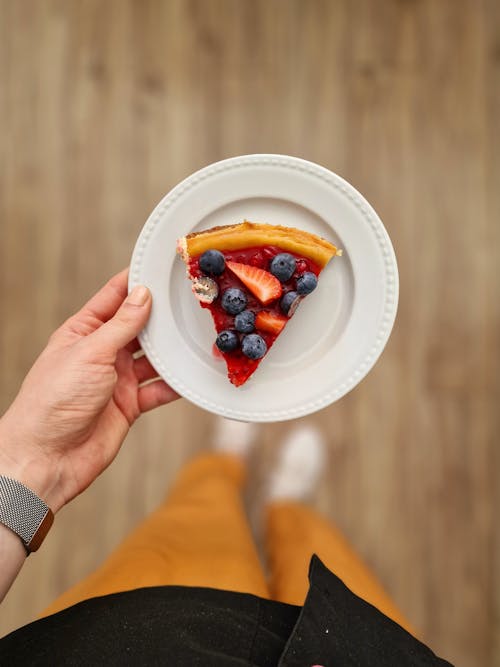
point(24, 513)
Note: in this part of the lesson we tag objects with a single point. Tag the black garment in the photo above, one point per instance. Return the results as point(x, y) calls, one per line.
point(175, 625)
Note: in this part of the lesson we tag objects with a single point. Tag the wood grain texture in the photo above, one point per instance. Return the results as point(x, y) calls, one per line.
point(104, 106)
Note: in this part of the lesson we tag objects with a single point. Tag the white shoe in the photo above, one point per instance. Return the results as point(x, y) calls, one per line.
point(234, 437)
point(299, 465)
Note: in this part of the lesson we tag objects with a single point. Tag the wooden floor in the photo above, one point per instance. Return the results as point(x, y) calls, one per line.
point(104, 106)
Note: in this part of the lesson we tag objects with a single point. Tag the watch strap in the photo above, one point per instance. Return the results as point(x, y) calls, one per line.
point(24, 513)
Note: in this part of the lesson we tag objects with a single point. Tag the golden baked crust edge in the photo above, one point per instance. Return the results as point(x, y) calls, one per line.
point(253, 234)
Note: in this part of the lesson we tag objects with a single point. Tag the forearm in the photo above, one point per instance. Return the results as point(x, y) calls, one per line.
point(18, 462)
point(12, 557)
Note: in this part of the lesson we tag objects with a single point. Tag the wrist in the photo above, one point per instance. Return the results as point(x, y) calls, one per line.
point(24, 462)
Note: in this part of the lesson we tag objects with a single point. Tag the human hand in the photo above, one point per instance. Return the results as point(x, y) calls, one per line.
point(81, 396)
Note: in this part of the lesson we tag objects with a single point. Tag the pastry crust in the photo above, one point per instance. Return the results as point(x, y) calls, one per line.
point(249, 234)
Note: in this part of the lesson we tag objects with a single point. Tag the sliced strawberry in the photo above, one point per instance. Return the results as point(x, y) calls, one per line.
point(266, 321)
point(262, 284)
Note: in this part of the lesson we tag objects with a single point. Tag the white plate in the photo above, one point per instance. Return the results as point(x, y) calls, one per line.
point(338, 332)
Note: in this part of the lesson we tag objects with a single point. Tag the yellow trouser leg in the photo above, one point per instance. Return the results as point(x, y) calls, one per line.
point(198, 537)
point(294, 533)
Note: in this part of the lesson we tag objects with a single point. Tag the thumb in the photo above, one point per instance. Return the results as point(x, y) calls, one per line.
point(128, 321)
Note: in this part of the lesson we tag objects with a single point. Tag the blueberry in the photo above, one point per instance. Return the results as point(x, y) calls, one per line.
point(212, 262)
point(306, 283)
point(254, 346)
point(289, 303)
point(227, 341)
point(234, 301)
point(283, 266)
point(245, 321)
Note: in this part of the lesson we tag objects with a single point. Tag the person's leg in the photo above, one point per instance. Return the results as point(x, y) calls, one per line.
point(295, 532)
point(198, 537)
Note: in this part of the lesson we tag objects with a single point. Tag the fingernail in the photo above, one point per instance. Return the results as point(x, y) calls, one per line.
point(138, 296)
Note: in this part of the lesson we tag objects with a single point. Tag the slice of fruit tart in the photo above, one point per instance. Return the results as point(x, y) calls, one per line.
point(252, 276)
